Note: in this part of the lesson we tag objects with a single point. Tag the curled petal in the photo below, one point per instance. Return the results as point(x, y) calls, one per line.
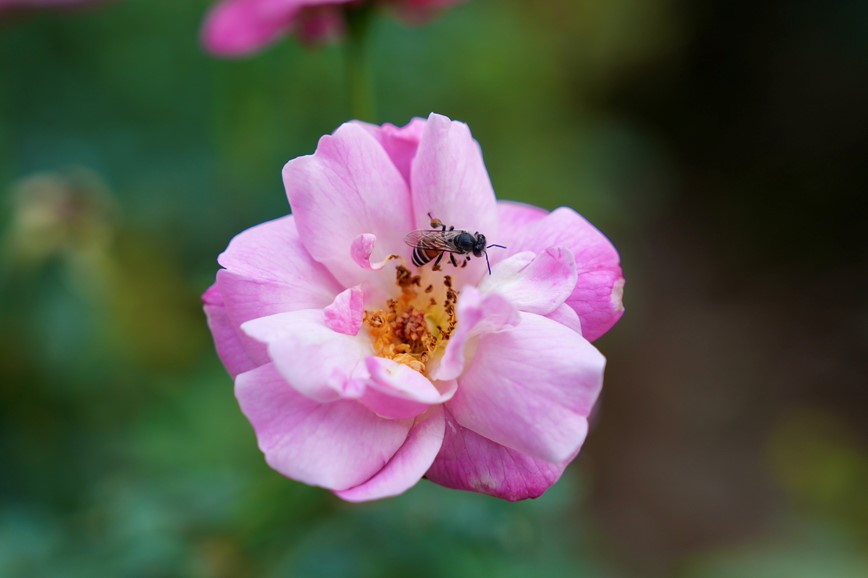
point(346, 312)
point(408, 465)
point(597, 294)
point(531, 388)
point(313, 358)
point(468, 461)
point(361, 250)
point(334, 445)
point(534, 283)
point(394, 390)
point(477, 315)
point(349, 187)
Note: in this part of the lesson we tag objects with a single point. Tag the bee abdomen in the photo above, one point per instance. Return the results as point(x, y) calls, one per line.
point(422, 256)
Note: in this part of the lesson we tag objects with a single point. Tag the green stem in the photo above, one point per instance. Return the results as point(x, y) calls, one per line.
point(359, 70)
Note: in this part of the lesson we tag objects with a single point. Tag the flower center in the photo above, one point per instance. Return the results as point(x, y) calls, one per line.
point(416, 325)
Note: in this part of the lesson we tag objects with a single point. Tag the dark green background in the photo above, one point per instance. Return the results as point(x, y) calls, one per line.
point(720, 146)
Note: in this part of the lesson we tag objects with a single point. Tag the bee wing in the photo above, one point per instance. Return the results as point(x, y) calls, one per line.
point(432, 239)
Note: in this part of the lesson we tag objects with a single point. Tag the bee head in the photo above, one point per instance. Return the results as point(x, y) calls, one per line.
point(478, 246)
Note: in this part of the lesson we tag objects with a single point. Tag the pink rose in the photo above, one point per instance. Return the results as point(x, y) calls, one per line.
point(361, 372)
point(239, 27)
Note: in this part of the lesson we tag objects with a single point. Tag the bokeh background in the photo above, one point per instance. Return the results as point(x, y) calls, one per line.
point(720, 144)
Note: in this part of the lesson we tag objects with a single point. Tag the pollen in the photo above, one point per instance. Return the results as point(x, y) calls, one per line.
point(417, 324)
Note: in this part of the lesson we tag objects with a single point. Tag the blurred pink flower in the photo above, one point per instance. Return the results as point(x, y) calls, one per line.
point(361, 375)
point(239, 27)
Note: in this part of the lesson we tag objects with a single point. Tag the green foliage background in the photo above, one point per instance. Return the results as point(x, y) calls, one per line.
point(714, 142)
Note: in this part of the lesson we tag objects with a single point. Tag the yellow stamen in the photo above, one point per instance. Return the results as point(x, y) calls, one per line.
point(412, 328)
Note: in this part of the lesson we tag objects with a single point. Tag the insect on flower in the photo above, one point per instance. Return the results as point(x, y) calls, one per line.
point(364, 378)
point(435, 242)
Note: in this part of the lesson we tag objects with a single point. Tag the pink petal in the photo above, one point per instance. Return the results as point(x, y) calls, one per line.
point(239, 27)
point(449, 180)
point(598, 299)
point(314, 359)
point(400, 143)
point(346, 312)
point(268, 271)
point(273, 255)
point(566, 315)
point(226, 338)
point(515, 216)
point(393, 390)
point(597, 296)
point(335, 445)
point(408, 465)
point(534, 283)
point(531, 388)
point(361, 250)
point(477, 315)
point(468, 461)
point(349, 187)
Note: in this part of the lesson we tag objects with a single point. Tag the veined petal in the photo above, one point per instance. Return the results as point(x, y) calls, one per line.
point(477, 315)
point(534, 283)
point(226, 334)
point(408, 465)
point(335, 445)
point(449, 180)
point(349, 187)
point(468, 461)
point(531, 388)
point(313, 358)
point(597, 294)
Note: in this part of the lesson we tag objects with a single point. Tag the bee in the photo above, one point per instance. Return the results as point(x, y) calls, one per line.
point(434, 243)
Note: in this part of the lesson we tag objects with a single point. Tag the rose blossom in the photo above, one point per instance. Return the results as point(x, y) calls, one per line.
point(361, 373)
point(239, 27)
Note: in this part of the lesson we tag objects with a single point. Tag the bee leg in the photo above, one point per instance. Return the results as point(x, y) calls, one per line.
point(464, 264)
point(436, 266)
point(436, 223)
point(452, 258)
